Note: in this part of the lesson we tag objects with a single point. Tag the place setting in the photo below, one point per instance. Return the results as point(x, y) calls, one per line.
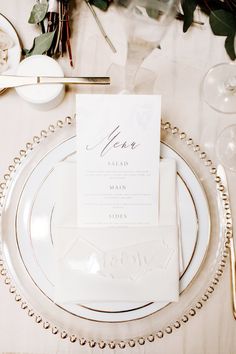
point(115, 224)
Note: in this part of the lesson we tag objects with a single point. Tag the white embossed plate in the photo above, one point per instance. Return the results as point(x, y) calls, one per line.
point(14, 53)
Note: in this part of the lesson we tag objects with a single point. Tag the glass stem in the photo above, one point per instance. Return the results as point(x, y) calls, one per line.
point(137, 52)
point(230, 84)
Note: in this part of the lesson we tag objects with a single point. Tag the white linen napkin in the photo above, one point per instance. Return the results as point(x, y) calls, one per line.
point(115, 263)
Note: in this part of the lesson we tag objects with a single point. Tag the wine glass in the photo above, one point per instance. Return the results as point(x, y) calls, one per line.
point(219, 87)
point(219, 92)
point(146, 22)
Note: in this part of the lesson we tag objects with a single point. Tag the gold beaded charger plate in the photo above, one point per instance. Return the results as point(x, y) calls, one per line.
point(27, 243)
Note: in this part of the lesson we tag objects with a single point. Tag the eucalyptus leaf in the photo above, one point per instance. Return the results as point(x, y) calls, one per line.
point(229, 46)
point(41, 44)
point(153, 13)
point(25, 51)
point(38, 13)
point(223, 23)
point(188, 7)
point(124, 3)
point(101, 4)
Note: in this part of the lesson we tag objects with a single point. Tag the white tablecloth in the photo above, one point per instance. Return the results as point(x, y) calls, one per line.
point(179, 67)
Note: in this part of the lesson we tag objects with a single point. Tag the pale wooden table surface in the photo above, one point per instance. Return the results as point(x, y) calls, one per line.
point(213, 330)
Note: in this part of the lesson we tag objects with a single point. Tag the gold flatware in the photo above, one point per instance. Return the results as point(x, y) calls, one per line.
point(221, 173)
point(7, 81)
point(2, 90)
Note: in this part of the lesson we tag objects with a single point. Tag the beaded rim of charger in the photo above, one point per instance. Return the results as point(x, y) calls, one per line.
point(141, 340)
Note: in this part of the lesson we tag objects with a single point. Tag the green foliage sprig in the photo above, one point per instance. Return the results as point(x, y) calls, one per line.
point(54, 39)
point(222, 17)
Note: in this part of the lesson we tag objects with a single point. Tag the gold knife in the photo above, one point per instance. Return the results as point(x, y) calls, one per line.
point(221, 173)
point(7, 81)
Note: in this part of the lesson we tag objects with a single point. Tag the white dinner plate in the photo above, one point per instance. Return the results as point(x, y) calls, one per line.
point(34, 236)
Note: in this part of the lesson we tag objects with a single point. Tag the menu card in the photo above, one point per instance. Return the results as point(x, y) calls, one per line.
point(118, 160)
point(112, 242)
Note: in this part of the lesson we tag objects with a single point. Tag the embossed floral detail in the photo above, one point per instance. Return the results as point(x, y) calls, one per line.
point(130, 263)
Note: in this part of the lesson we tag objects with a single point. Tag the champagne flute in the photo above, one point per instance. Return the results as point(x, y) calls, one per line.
point(146, 21)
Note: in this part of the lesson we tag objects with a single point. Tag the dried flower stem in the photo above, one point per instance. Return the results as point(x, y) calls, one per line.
point(68, 39)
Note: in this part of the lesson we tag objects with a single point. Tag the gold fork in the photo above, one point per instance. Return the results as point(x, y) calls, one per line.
point(221, 173)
